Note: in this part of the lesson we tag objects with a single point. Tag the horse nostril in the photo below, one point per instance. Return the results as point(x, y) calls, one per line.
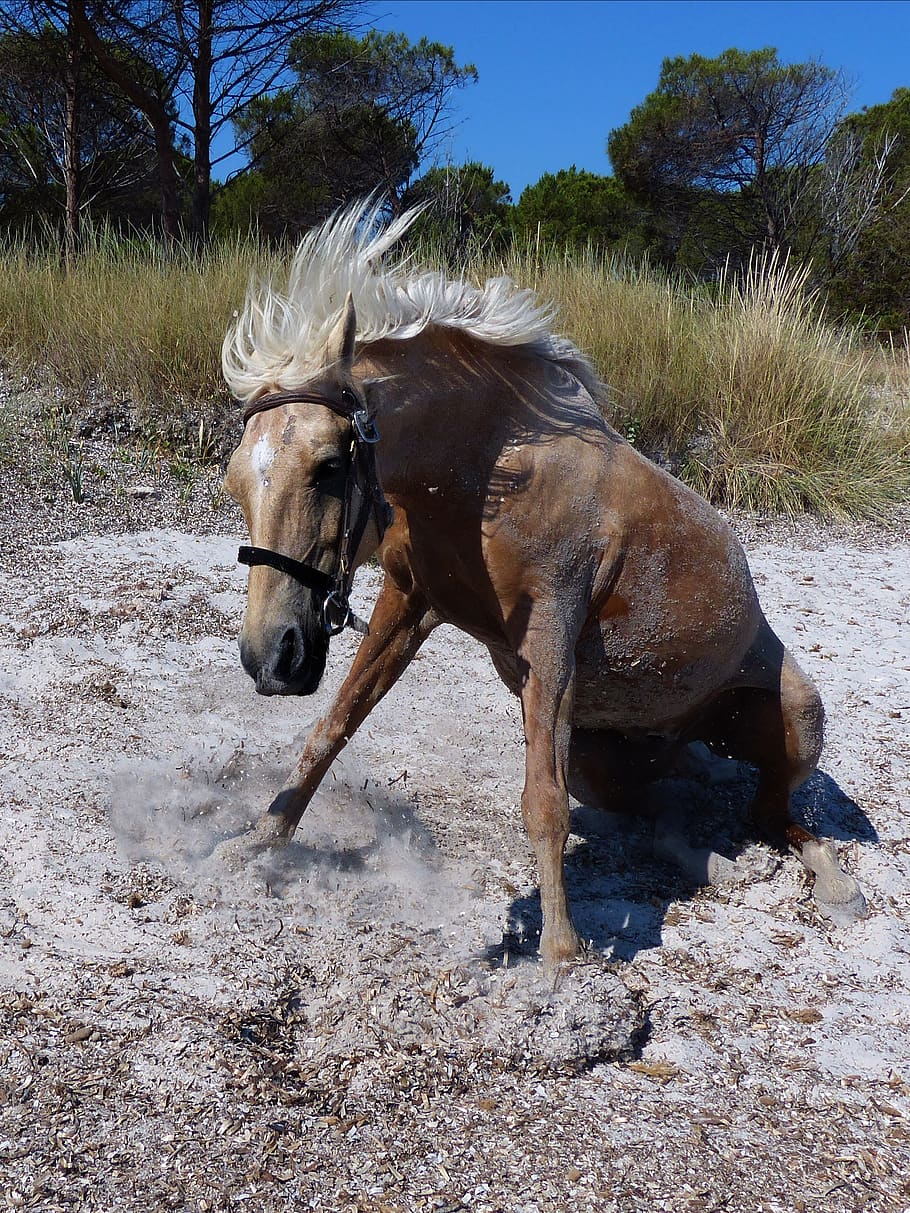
point(287, 654)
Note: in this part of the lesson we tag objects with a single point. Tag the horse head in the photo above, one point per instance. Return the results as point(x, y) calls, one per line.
point(305, 478)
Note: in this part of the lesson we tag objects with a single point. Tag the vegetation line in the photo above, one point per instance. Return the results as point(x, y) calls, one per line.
point(741, 387)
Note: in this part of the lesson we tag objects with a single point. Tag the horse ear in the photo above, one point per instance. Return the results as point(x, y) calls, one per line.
point(339, 349)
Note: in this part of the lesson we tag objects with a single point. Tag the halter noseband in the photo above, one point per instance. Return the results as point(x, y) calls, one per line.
point(334, 589)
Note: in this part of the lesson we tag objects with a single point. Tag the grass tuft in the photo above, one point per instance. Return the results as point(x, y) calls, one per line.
point(132, 322)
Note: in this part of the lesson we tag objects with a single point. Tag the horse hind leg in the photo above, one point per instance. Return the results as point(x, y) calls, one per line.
point(609, 772)
point(781, 733)
point(612, 773)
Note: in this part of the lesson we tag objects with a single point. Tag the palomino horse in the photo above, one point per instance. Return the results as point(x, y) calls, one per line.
point(614, 602)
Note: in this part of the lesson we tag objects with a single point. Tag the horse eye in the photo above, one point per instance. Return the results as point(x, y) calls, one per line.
point(328, 470)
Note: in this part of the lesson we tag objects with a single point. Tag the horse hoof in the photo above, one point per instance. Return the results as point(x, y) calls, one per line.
point(837, 895)
point(231, 855)
point(839, 898)
point(723, 871)
point(700, 865)
point(752, 865)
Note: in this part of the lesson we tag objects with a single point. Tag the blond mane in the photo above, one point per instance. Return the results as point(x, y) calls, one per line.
point(279, 338)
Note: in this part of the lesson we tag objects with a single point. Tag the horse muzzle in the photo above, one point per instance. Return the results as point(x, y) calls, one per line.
point(291, 664)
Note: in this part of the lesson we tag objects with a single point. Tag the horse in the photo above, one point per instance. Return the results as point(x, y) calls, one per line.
point(445, 428)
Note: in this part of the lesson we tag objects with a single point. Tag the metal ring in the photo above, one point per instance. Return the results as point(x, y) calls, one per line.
point(335, 601)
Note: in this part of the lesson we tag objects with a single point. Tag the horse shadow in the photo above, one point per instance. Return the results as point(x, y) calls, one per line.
point(620, 892)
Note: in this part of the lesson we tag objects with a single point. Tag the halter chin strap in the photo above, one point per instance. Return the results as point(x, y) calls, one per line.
point(334, 589)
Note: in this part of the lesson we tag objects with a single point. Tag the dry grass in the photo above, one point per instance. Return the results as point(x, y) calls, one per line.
point(743, 389)
point(130, 323)
point(889, 369)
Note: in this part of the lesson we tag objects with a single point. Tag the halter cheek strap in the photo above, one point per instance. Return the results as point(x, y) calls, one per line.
point(334, 590)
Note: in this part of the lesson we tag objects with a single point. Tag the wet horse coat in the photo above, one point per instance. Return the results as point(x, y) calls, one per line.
point(614, 602)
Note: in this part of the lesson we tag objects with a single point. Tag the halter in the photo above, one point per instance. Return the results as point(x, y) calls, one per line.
point(334, 589)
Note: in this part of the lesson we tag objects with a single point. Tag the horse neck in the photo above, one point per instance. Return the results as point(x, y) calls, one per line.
point(443, 398)
point(431, 393)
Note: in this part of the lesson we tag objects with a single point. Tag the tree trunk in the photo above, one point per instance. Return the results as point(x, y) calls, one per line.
point(202, 126)
point(168, 181)
point(71, 149)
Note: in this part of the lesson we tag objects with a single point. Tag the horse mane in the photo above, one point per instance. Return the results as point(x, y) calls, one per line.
point(278, 339)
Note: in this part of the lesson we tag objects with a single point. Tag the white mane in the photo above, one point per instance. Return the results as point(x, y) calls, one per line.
point(278, 340)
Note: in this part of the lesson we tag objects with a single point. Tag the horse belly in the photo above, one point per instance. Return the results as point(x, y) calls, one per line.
point(654, 675)
point(638, 701)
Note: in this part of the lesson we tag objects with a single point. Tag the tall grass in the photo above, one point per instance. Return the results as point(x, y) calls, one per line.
point(741, 387)
point(133, 322)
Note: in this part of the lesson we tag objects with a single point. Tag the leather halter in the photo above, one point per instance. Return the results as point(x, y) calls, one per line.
point(333, 589)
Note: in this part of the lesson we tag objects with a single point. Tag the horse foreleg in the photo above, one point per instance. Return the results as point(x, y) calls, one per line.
point(546, 702)
point(398, 626)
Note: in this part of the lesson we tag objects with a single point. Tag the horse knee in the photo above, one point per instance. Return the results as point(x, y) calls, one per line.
point(804, 721)
point(546, 818)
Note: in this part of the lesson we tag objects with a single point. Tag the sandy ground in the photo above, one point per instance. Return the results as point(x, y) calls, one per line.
point(362, 1023)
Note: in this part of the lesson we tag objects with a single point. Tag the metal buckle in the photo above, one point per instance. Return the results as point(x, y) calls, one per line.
point(365, 427)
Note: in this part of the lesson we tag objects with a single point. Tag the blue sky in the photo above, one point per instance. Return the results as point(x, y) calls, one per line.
point(557, 75)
